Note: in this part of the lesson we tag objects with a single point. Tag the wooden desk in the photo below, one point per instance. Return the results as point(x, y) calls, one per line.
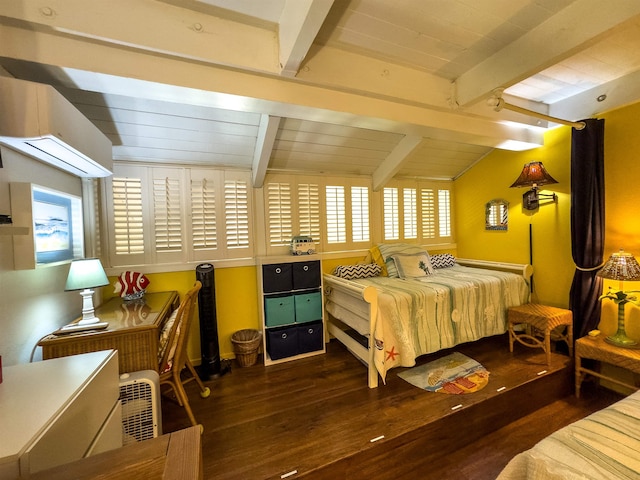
point(596, 348)
point(174, 456)
point(134, 330)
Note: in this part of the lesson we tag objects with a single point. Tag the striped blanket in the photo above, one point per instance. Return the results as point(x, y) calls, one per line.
point(602, 446)
point(454, 305)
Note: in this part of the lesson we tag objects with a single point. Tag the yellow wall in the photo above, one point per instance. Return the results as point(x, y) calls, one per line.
point(622, 207)
point(551, 224)
point(491, 179)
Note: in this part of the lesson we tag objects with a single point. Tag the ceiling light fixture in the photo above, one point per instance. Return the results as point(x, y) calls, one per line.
point(533, 175)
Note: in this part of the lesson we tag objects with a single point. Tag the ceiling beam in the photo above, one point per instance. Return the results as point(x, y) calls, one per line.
point(299, 24)
point(390, 165)
point(176, 31)
point(267, 131)
point(109, 68)
point(554, 40)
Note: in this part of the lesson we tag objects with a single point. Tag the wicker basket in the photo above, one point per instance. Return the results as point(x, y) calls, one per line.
point(246, 344)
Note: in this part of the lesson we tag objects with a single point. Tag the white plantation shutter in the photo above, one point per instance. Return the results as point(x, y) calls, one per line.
point(335, 214)
point(204, 230)
point(391, 211)
point(444, 213)
point(423, 211)
point(236, 214)
point(279, 216)
point(428, 212)
point(167, 214)
point(128, 227)
point(309, 210)
point(410, 212)
point(360, 214)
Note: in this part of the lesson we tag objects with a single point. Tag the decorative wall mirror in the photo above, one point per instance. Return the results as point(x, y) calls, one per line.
point(496, 215)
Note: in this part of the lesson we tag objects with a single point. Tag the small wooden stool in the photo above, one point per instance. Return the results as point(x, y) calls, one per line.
point(541, 320)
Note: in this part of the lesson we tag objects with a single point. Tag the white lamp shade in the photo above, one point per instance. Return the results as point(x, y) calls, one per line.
point(86, 273)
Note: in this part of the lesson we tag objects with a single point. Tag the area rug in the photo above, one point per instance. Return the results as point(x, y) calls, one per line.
point(454, 374)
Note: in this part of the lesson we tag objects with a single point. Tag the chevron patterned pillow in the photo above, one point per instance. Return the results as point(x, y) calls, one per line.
point(443, 260)
point(351, 272)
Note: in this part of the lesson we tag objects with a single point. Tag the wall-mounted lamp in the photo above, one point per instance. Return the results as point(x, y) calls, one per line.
point(533, 175)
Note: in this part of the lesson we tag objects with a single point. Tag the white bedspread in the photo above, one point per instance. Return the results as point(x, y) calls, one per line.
point(453, 306)
point(602, 446)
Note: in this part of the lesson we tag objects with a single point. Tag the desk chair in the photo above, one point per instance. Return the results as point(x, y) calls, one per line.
point(173, 353)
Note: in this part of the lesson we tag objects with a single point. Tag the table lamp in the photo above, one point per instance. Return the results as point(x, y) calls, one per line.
point(85, 274)
point(621, 266)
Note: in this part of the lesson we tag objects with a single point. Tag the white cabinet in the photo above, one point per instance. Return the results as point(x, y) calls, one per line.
point(56, 411)
point(291, 307)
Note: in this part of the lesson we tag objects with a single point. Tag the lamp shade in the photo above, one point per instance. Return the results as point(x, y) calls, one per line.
point(532, 174)
point(621, 266)
point(86, 273)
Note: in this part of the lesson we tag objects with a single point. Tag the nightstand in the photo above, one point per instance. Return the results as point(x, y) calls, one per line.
point(597, 348)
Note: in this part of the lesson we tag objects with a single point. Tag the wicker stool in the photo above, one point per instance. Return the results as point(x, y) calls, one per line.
point(541, 320)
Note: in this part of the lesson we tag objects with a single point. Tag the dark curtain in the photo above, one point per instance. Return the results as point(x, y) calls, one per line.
point(587, 223)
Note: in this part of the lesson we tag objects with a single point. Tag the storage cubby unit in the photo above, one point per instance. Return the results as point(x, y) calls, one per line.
point(291, 308)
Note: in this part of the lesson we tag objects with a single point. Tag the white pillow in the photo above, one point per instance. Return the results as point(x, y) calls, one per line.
point(412, 265)
point(387, 250)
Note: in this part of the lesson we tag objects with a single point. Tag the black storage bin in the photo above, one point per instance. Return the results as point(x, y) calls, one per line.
point(310, 337)
point(306, 274)
point(282, 342)
point(277, 277)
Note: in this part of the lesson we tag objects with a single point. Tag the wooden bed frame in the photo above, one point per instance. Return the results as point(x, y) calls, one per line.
point(362, 302)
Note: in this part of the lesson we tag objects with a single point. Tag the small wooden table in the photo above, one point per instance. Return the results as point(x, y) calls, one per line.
point(597, 348)
point(174, 456)
point(134, 330)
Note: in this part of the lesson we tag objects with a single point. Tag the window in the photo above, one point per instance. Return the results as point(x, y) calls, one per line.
point(417, 210)
point(410, 212)
point(292, 208)
point(236, 213)
point(444, 213)
point(335, 213)
point(391, 214)
point(178, 215)
point(294, 205)
point(167, 213)
point(203, 213)
point(360, 214)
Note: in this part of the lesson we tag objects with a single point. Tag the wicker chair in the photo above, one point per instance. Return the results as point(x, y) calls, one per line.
point(173, 357)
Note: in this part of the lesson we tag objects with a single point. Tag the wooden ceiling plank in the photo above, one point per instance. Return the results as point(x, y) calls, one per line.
point(571, 28)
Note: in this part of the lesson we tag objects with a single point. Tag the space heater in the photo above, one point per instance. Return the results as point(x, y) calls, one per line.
point(141, 411)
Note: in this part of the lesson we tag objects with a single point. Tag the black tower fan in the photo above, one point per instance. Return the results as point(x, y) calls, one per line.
point(210, 366)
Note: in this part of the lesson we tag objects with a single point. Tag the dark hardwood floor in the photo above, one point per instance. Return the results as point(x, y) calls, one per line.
point(317, 417)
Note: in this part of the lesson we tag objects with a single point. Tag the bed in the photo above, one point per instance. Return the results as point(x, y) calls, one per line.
point(389, 321)
point(602, 446)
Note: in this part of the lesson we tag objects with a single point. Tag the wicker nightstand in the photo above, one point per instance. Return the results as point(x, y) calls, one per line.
point(134, 330)
point(596, 348)
point(540, 321)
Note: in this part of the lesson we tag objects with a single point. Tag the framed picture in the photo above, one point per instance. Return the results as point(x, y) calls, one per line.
point(55, 218)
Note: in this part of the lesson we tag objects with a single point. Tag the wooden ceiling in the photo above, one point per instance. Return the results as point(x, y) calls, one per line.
point(341, 87)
